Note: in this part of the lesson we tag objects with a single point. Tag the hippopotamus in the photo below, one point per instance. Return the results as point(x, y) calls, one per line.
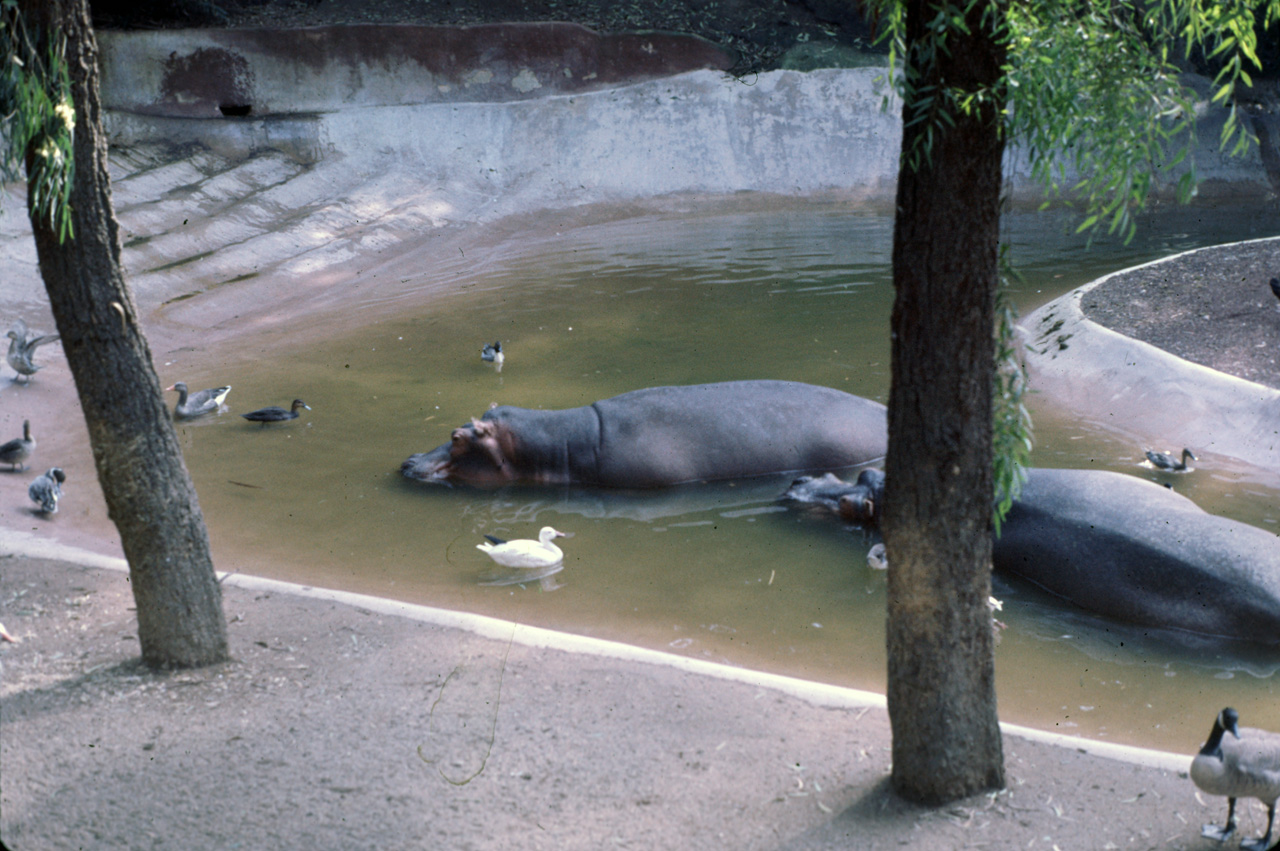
point(1131, 550)
point(664, 436)
point(859, 502)
point(1118, 546)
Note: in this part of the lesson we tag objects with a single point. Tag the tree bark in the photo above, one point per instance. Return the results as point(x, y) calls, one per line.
point(938, 501)
point(148, 491)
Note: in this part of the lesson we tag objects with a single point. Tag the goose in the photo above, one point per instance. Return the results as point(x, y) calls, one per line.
point(1244, 766)
point(198, 403)
point(493, 353)
point(22, 348)
point(18, 450)
point(525, 553)
point(275, 414)
point(1165, 461)
point(46, 490)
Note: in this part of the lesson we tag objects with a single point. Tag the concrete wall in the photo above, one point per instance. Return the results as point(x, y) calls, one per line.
point(539, 115)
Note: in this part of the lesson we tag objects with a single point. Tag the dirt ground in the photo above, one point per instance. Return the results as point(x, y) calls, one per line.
point(338, 727)
point(335, 726)
point(1214, 307)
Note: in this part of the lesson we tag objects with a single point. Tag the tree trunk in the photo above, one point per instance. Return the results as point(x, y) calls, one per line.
point(148, 492)
point(938, 502)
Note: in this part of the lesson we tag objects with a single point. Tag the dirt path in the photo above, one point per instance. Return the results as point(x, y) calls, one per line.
point(339, 727)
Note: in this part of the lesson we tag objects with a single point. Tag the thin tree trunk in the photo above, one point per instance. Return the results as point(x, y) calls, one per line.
point(148, 492)
point(938, 502)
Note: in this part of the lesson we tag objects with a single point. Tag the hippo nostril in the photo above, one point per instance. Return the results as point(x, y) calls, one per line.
point(235, 110)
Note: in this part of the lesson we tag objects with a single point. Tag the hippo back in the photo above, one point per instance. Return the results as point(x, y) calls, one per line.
point(1135, 551)
point(671, 435)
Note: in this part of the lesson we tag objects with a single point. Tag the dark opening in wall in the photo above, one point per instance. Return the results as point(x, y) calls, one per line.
point(235, 109)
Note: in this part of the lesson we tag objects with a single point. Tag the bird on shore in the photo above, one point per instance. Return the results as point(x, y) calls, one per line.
point(46, 490)
point(199, 403)
point(1164, 461)
point(276, 414)
point(525, 553)
point(17, 451)
point(22, 348)
point(1247, 765)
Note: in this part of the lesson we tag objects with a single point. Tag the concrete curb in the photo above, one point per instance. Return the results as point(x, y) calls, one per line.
point(1136, 388)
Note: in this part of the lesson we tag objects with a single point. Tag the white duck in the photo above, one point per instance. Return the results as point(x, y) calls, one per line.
point(524, 553)
point(1247, 765)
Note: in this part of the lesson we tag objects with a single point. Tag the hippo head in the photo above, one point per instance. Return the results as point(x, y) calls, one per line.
point(863, 502)
point(479, 452)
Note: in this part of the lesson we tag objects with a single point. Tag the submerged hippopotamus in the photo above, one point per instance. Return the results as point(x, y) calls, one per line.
point(1132, 550)
point(664, 436)
point(1118, 546)
point(859, 502)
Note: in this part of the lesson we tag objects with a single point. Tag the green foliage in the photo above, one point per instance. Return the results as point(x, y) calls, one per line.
point(1011, 422)
point(1094, 92)
point(37, 119)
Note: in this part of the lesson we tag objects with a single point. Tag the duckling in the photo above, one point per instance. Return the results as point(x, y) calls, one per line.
point(1245, 766)
point(275, 414)
point(18, 450)
point(46, 490)
point(525, 553)
point(199, 403)
point(1165, 461)
point(22, 348)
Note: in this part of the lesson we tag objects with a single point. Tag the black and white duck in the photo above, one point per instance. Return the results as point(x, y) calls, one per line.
point(1165, 461)
point(46, 490)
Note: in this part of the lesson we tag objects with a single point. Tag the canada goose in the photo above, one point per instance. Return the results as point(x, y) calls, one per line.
point(275, 414)
point(1244, 766)
point(46, 490)
point(22, 348)
point(200, 402)
point(18, 450)
point(1165, 461)
point(525, 553)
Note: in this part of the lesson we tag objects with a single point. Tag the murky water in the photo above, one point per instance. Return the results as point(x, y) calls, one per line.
point(722, 572)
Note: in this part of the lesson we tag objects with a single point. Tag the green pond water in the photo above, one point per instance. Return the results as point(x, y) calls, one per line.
point(722, 572)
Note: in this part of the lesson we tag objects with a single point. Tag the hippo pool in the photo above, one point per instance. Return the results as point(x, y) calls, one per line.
point(720, 572)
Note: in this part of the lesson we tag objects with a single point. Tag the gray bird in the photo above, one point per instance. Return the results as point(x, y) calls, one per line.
point(46, 490)
point(22, 348)
point(198, 403)
point(1247, 765)
point(17, 451)
point(1165, 461)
